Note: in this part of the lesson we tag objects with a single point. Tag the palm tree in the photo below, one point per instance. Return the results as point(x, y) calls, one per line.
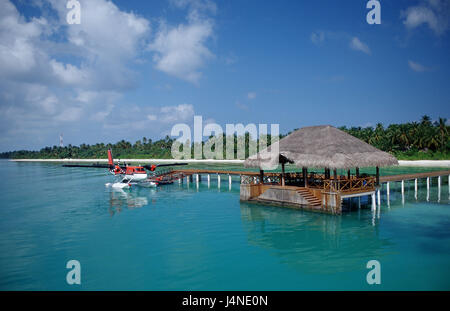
point(426, 120)
point(443, 131)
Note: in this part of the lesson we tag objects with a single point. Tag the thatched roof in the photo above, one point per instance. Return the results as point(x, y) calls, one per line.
point(321, 146)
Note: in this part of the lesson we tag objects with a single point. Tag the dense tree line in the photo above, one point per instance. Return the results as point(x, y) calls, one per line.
point(413, 140)
point(144, 148)
point(424, 139)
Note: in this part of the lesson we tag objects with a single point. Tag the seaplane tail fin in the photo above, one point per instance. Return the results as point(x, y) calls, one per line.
point(110, 159)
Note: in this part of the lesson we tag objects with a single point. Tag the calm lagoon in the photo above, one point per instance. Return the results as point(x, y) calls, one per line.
point(180, 237)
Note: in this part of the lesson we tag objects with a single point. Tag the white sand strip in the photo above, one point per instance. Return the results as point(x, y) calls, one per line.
point(425, 163)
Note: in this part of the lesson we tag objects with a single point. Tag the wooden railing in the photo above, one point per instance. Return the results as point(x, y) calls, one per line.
point(349, 185)
point(317, 181)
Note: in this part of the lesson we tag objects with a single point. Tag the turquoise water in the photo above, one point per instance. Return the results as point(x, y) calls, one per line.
point(179, 238)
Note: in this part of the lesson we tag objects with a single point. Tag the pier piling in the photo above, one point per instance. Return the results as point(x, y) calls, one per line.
point(379, 197)
point(415, 188)
point(373, 202)
point(439, 188)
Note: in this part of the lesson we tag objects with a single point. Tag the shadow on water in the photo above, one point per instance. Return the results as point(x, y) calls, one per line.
point(312, 242)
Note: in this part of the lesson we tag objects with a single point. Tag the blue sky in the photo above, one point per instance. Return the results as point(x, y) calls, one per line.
point(136, 68)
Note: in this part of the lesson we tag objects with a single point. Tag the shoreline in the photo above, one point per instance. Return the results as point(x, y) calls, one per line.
point(413, 163)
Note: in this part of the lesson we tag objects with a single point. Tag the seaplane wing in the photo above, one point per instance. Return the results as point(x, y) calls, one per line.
point(154, 166)
point(88, 165)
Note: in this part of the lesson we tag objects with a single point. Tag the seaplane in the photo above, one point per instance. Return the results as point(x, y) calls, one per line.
point(130, 175)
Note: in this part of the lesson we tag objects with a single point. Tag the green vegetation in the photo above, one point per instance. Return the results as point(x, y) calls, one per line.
point(409, 141)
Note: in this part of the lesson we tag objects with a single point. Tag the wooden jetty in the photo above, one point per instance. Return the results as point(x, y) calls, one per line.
point(319, 190)
point(324, 147)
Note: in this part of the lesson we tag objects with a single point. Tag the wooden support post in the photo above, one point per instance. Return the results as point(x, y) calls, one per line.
point(261, 177)
point(379, 197)
point(415, 188)
point(439, 188)
point(373, 202)
point(357, 172)
point(388, 194)
point(348, 174)
point(403, 192)
point(378, 176)
point(305, 176)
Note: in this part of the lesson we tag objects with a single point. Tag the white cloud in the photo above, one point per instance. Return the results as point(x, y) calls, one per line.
point(19, 54)
point(146, 119)
point(251, 95)
point(181, 50)
point(53, 74)
point(241, 106)
point(434, 13)
point(180, 113)
point(358, 45)
point(57, 77)
point(417, 67)
point(317, 37)
point(68, 73)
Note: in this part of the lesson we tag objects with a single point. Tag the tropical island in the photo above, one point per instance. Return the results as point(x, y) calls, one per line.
point(423, 140)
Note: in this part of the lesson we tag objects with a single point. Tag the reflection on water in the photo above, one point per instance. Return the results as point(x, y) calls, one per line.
point(313, 242)
point(118, 199)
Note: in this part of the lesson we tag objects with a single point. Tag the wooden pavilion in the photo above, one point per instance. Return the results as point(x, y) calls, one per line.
point(324, 147)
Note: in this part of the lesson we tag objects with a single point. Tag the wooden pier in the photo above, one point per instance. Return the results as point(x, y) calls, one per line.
point(324, 147)
point(321, 193)
point(414, 176)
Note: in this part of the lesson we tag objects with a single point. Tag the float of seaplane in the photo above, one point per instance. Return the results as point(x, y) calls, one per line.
point(130, 175)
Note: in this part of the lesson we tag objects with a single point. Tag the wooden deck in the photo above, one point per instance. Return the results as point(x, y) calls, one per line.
point(212, 172)
point(383, 179)
point(413, 176)
point(320, 194)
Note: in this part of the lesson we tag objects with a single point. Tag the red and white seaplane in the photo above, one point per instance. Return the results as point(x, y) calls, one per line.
point(130, 175)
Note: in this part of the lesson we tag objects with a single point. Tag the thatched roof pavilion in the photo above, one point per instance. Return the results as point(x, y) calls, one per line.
point(322, 146)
